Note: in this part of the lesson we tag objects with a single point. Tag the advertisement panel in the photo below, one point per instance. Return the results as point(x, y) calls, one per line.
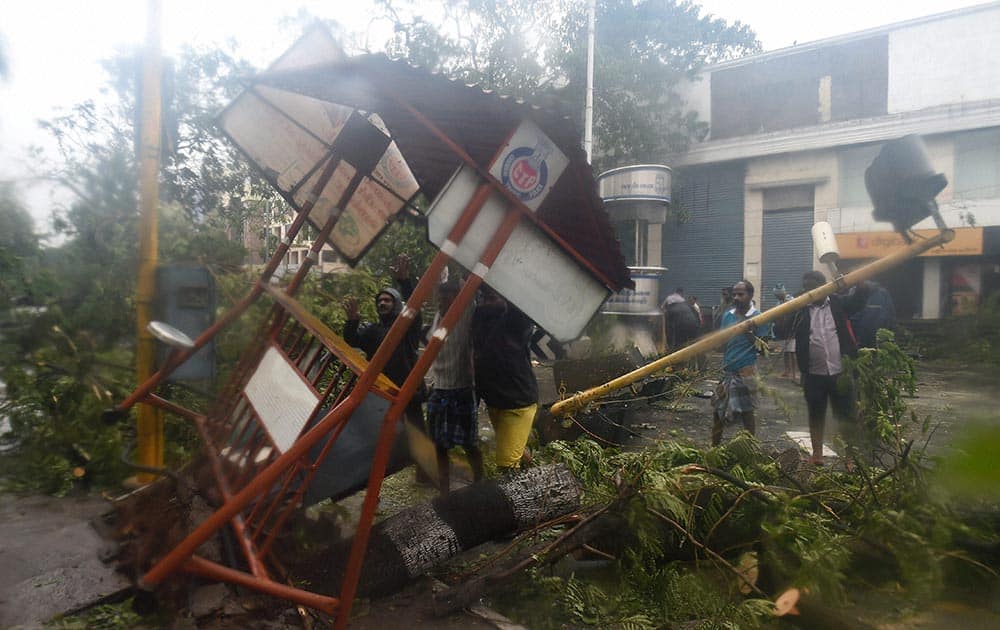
point(968, 242)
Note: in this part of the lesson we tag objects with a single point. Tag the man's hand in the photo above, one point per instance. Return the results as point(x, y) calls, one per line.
point(350, 304)
point(401, 270)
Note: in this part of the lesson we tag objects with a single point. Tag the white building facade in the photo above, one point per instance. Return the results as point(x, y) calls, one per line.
point(791, 133)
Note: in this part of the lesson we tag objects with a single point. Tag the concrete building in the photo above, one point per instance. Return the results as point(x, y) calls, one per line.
point(791, 133)
point(261, 240)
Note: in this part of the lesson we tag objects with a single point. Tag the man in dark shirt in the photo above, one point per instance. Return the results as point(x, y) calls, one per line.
point(879, 312)
point(501, 335)
point(683, 322)
point(368, 336)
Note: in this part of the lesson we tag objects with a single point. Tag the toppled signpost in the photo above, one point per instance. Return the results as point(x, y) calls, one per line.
point(350, 142)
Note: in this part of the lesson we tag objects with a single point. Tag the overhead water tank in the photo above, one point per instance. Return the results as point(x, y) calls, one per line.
point(635, 196)
point(641, 191)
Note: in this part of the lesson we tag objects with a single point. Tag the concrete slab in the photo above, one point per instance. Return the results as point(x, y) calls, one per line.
point(49, 559)
point(802, 439)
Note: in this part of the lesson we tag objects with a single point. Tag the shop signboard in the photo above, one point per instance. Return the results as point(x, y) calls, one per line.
point(967, 242)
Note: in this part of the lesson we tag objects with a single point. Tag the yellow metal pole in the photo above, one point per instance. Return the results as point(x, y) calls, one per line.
point(581, 399)
point(149, 443)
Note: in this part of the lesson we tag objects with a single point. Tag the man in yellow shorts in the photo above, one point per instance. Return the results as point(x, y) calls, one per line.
point(501, 335)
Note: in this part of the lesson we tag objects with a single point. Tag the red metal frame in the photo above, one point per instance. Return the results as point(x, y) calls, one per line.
point(261, 488)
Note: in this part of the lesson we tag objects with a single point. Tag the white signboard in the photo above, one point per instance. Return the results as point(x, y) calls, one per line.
point(288, 136)
point(529, 165)
point(282, 399)
point(532, 272)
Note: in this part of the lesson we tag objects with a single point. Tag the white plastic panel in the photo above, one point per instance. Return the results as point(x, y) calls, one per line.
point(288, 136)
point(282, 400)
point(532, 272)
point(529, 165)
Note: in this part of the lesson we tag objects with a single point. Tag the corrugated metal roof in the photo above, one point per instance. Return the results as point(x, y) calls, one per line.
point(479, 123)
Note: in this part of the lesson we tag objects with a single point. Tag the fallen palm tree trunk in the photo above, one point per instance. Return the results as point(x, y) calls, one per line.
point(596, 525)
point(412, 542)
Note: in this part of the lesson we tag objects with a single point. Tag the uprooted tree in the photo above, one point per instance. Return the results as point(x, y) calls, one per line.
point(728, 536)
point(715, 536)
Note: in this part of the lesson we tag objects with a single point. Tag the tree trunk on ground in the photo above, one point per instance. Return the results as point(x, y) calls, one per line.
point(467, 593)
point(802, 610)
point(412, 542)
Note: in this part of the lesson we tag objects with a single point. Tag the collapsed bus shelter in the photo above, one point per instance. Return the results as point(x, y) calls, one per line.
point(349, 142)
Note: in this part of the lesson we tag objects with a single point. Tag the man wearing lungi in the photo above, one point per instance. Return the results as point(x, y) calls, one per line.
point(734, 398)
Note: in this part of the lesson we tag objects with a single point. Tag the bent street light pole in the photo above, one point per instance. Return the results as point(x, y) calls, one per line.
point(581, 399)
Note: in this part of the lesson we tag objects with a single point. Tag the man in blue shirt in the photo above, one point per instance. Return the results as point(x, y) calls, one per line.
point(734, 397)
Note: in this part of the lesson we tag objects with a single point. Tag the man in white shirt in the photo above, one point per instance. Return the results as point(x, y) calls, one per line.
point(823, 338)
point(451, 407)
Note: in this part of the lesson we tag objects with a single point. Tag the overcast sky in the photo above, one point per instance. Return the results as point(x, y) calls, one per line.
point(53, 47)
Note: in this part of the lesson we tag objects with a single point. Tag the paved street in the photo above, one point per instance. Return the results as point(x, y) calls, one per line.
point(951, 395)
point(49, 558)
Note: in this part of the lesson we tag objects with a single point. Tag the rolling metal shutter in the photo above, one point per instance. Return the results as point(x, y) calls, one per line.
point(703, 248)
point(788, 251)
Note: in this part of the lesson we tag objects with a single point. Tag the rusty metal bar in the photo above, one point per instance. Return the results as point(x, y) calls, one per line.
point(268, 507)
point(324, 232)
point(413, 381)
point(237, 523)
point(170, 407)
point(206, 568)
point(312, 469)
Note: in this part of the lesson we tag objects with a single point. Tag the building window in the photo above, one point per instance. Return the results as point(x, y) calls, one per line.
point(977, 164)
point(329, 256)
point(852, 164)
point(632, 238)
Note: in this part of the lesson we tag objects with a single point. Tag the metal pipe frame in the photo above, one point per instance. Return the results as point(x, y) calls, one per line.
point(205, 568)
point(267, 477)
point(237, 522)
point(182, 557)
point(240, 307)
point(413, 381)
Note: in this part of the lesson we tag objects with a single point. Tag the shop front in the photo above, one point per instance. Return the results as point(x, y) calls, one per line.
point(955, 279)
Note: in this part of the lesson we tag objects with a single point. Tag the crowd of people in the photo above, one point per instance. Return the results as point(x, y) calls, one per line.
point(813, 343)
point(485, 358)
